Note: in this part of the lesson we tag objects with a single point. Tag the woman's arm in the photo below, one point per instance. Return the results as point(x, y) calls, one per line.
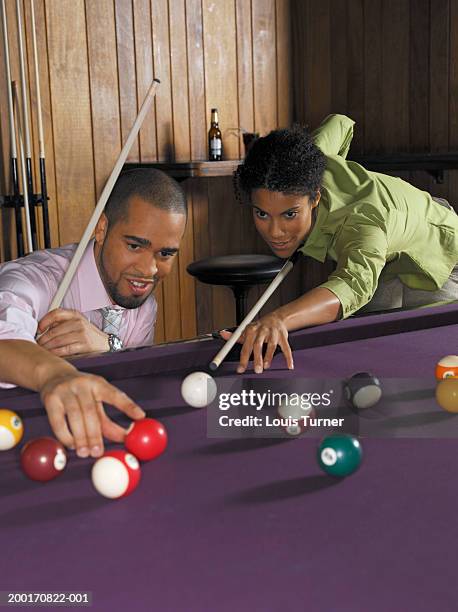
point(334, 135)
point(361, 249)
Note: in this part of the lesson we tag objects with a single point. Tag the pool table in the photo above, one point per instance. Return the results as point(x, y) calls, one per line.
point(249, 523)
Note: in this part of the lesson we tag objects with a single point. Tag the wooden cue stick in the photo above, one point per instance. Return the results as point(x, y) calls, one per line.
point(41, 141)
point(104, 197)
point(25, 115)
point(14, 164)
point(286, 269)
point(23, 170)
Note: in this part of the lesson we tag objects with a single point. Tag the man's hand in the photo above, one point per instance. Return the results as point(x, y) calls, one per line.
point(68, 332)
point(269, 330)
point(73, 401)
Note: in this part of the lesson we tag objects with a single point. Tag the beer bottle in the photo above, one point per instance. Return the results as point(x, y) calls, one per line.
point(215, 143)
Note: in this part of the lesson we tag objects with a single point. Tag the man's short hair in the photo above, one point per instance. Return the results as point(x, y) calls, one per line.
point(153, 186)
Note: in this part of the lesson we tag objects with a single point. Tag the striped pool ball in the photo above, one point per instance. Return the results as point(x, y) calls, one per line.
point(447, 367)
point(363, 390)
point(11, 429)
point(116, 474)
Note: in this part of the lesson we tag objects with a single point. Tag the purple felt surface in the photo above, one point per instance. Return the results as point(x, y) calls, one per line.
point(250, 524)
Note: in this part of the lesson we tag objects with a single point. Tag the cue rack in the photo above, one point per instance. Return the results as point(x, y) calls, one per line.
point(22, 168)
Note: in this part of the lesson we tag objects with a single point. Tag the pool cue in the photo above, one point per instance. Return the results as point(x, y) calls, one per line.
point(25, 116)
point(41, 140)
point(23, 169)
point(222, 354)
point(14, 163)
point(68, 276)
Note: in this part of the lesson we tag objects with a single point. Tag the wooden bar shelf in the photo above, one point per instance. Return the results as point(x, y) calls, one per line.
point(434, 163)
point(192, 169)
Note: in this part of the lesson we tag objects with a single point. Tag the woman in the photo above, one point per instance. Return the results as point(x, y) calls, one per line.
point(393, 244)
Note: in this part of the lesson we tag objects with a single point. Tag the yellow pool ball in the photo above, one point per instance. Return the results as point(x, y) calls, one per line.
point(11, 429)
point(447, 367)
point(447, 394)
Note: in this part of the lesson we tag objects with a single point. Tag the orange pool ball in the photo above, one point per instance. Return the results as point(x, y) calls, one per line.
point(447, 394)
point(447, 367)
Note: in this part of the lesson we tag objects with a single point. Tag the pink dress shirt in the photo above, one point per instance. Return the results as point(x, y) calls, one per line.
point(28, 285)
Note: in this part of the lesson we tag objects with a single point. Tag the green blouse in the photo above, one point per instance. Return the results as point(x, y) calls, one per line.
point(368, 222)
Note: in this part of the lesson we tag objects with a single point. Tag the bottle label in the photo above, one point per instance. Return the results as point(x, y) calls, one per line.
point(215, 146)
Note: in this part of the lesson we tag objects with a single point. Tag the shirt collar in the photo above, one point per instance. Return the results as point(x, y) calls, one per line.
point(89, 285)
point(319, 239)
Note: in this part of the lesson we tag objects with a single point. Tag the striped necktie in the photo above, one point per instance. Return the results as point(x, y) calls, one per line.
point(111, 320)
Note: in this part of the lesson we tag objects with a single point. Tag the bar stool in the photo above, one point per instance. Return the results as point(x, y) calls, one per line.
point(239, 272)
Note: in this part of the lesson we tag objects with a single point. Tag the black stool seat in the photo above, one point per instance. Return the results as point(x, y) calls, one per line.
point(236, 269)
point(239, 272)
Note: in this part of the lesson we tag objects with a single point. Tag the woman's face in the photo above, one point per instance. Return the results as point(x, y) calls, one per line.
point(283, 220)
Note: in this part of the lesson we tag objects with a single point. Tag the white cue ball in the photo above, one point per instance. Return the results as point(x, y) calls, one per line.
point(198, 389)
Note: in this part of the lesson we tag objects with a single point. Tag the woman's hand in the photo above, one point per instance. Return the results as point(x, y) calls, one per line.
point(269, 330)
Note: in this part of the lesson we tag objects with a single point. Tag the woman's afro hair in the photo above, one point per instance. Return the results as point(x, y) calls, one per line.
point(285, 160)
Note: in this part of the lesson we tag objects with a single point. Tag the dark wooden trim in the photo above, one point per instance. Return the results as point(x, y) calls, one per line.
point(433, 163)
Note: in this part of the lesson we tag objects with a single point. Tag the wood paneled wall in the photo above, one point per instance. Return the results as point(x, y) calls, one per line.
point(392, 65)
point(97, 58)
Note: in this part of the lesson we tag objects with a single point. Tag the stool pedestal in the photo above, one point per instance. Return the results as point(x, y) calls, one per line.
point(241, 299)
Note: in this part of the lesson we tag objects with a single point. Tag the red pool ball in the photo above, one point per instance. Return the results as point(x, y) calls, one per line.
point(146, 439)
point(43, 459)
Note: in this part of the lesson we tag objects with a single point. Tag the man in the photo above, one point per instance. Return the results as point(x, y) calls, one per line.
point(109, 305)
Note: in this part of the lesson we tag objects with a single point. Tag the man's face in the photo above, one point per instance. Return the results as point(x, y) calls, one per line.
point(283, 220)
point(137, 252)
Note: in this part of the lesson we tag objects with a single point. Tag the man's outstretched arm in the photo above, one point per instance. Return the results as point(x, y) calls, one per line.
point(73, 399)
